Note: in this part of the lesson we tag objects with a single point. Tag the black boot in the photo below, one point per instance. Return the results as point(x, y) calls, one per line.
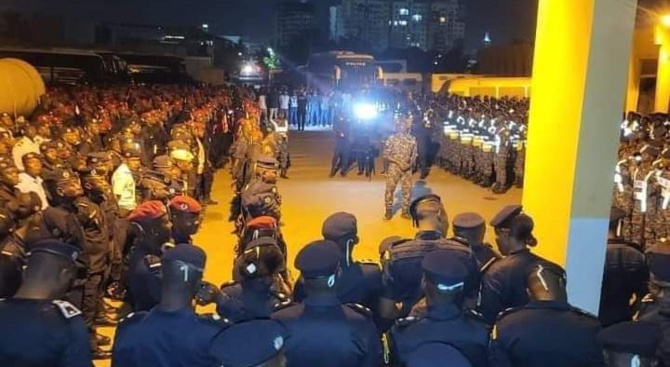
point(388, 214)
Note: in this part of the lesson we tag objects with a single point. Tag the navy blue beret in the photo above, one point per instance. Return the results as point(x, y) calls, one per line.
point(56, 248)
point(446, 271)
point(249, 343)
point(641, 338)
point(339, 225)
point(189, 254)
point(436, 354)
point(505, 215)
point(318, 259)
point(658, 259)
point(468, 220)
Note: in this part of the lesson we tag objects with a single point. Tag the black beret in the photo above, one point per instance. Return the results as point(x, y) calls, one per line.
point(446, 271)
point(249, 343)
point(658, 259)
point(640, 338)
point(468, 220)
point(505, 215)
point(57, 248)
point(61, 175)
point(318, 259)
point(186, 253)
point(339, 225)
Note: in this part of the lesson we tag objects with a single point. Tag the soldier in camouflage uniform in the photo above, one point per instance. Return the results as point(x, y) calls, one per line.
point(500, 160)
point(400, 151)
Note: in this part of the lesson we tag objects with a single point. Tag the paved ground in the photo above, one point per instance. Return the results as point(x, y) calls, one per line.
point(309, 196)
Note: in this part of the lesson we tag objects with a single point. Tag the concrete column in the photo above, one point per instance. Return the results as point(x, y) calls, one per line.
point(662, 98)
point(633, 87)
point(579, 81)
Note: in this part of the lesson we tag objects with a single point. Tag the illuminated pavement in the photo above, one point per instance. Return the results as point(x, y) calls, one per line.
point(309, 196)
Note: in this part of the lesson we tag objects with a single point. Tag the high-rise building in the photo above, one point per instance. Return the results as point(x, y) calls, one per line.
point(292, 19)
point(426, 24)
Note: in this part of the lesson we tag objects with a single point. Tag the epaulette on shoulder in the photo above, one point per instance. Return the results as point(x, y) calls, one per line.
point(360, 309)
point(507, 312)
point(648, 299)
point(153, 262)
point(407, 321)
point(67, 309)
point(581, 312)
point(213, 319)
point(133, 318)
point(282, 304)
point(488, 264)
point(473, 314)
point(228, 284)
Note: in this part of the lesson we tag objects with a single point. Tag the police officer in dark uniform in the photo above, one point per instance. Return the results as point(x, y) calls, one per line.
point(504, 282)
point(359, 281)
point(324, 332)
point(186, 216)
point(631, 344)
point(626, 275)
point(260, 290)
point(547, 331)
point(439, 317)
point(435, 354)
point(260, 197)
point(342, 146)
point(51, 161)
point(171, 333)
point(164, 165)
point(401, 262)
point(254, 343)
point(9, 178)
point(472, 228)
point(101, 162)
point(38, 327)
point(151, 228)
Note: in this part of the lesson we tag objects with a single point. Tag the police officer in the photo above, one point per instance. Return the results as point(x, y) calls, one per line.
point(49, 151)
point(655, 306)
point(185, 214)
point(547, 331)
point(625, 276)
point(435, 354)
point(440, 317)
point(260, 197)
point(631, 344)
point(472, 227)
point(172, 333)
point(422, 132)
point(340, 159)
point(504, 282)
point(101, 162)
point(151, 228)
point(30, 180)
point(164, 165)
point(352, 337)
point(254, 343)
point(9, 178)
point(260, 290)
point(39, 328)
point(400, 152)
point(401, 261)
point(359, 281)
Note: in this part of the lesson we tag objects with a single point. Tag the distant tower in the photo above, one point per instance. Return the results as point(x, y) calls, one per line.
point(487, 39)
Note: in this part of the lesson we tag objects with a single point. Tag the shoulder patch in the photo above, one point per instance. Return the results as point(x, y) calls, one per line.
point(407, 321)
point(506, 312)
point(152, 261)
point(66, 308)
point(133, 317)
point(474, 314)
point(360, 309)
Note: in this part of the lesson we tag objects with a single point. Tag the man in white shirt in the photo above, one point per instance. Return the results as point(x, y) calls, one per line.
point(26, 144)
point(284, 103)
point(263, 105)
point(293, 109)
point(123, 182)
point(30, 180)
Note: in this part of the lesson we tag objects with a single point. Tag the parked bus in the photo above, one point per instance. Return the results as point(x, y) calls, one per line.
point(342, 68)
point(160, 69)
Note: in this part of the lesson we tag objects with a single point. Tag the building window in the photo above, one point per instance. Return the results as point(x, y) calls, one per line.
point(402, 22)
point(417, 17)
point(443, 20)
point(404, 11)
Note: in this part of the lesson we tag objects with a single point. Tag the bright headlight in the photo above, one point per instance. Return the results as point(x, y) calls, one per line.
point(365, 111)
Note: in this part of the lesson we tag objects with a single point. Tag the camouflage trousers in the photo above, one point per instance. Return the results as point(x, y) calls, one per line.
point(519, 166)
point(486, 167)
point(395, 175)
point(500, 166)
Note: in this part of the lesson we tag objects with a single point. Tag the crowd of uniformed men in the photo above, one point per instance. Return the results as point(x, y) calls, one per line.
point(102, 190)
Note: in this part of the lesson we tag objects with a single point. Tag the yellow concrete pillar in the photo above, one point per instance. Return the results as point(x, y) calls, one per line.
point(578, 86)
point(662, 97)
point(633, 86)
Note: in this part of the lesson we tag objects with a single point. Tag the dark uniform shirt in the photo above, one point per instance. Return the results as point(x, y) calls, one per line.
point(165, 339)
point(325, 333)
point(657, 311)
point(546, 334)
point(402, 272)
point(94, 224)
point(504, 283)
point(42, 333)
point(253, 300)
point(12, 260)
point(446, 324)
point(626, 275)
point(7, 193)
point(359, 282)
point(144, 279)
point(55, 223)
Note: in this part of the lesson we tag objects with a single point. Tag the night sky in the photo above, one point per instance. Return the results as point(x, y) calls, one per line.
point(506, 20)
